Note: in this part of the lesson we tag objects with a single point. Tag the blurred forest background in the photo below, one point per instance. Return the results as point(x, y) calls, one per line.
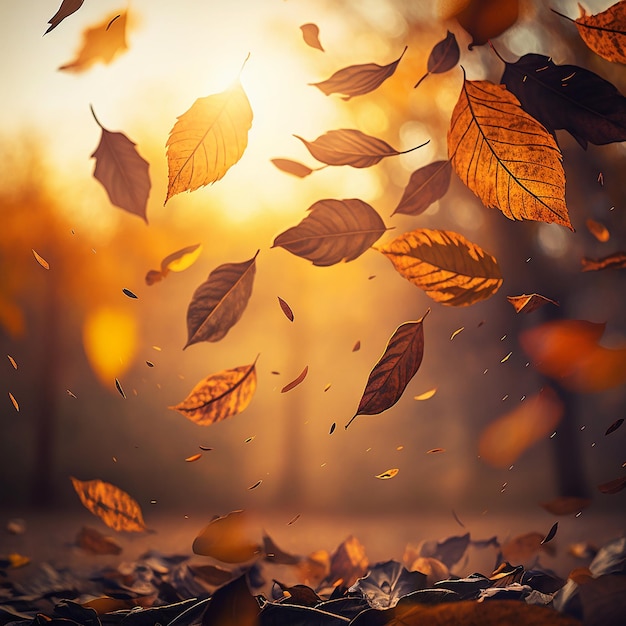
point(72, 331)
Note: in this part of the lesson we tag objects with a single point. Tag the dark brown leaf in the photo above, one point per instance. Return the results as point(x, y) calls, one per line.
point(311, 36)
point(92, 540)
point(333, 231)
point(232, 605)
point(356, 347)
point(614, 426)
point(566, 505)
point(129, 293)
point(528, 303)
point(292, 167)
point(256, 484)
point(296, 381)
point(219, 302)
point(299, 595)
point(443, 57)
point(348, 146)
point(65, 10)
point(286, 309)
point(615, 261)
point(426, 185)
point(551, 533)
point(332, 428)
point(118, 386)
point(122, 171)
point(394, 370)
point(613, 486)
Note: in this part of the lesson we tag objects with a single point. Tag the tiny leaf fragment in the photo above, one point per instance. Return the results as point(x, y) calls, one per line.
point(296, 381)
point(529, 303)
point(311, 36)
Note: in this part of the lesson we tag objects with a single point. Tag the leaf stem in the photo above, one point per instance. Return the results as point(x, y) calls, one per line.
point(421, 80)
point(350, 422)
point(94, 116)
point(416, 147)
point(561, 15)
point(496, 52)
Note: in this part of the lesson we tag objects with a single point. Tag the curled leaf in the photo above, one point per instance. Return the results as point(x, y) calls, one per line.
point(349, 146)
point(296, 381)
point(256, 484)
point(208, 139)
point(443, 57)
point(292, 167)
point(65, 10)
point(614, 261)
point(427, 394)
point(193, 457)
point(551, 533)
point(225, 539)
point(12, 361)
point(219, 396)
point(219, 302)
point(176, 262)
point(395, 369)
point(426, 185)
point(598, 230)
point(311, 36)
point(333, 231)
point(112, 505)
point(357, 80)
point(119, 388)
point(387, 474)
point(507, 158)
point(41, 260)
point(448, 267)
point(529, 303)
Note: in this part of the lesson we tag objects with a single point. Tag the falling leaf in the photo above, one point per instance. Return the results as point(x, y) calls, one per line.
point(176, 262)
point(193, 457)
point(505, 439)
point(225, 539)
point(568, 97)
point(348, 146)
point(93, 541)
point(219, 396)
point(522, 548)
point(311, 36)
point(205, 448)
point(457, 519)
point(333, 231)
point(256, 484)
point(65, 10)
point(528, 303)
point(448, 267)
point(615, 261)
point(551, 533)
point(357, 80)
point(12, 361)
point(14, 402)
point(296, 381)
point(436, 450)
point(395, 369)
point(100, 44)
point(70, 394)
point(41, 261)
point(507, 158)
point(286, 309)
point(122, 171)
point(249, 439)
point(299, 595)
point(149, 363)
point(443, 57)
point(427, 394)
point(568, 351)
point(566, 505)
point(129, 293)
point(390, 473)
point(614, 426)
point(604, 33)
point(332, 428)
point(598, 230)
point(112, 505)
point(208, 139)
point(356, 347)
point(118, 386)
point(219, 302)
point(292, 167)
point(232, 605)
point(486, 19)
point(426, 185)
point(456, 332)
point(613, 486)
point(348, 563)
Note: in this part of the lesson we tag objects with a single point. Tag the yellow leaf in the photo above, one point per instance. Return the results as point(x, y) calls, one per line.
point(181, 259)
point(112, 505)
point(387, 474)
point(448, 267)
point(208, 140)
point(219, 396)
point(427, 394)
point(505, 156)
point(605, 33)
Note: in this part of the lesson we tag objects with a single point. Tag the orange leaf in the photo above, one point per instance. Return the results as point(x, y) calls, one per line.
point(65, 10)
point(523, 548)
point(448, 267)
point(387, 474)
point(426, 185)
point(507, 158)
point(41, 260)
point(194, 457)
point(292, 167)
point(348, 562)
point(208, 139)
point(615, 261)
point(605, 33)
point(14, 402)
point(112, 505)
point(101, 43)
point(506, 438)
point(427, 394)
point(486, 19)
point(598, 230)
point(219, 396)
point(311, 36)
point(529, 303)
point(12, 361)
point(357, 80)
point(296, 381)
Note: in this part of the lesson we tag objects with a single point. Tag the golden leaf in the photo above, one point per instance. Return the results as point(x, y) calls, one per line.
point(614, 261)
point(225, 539)
point(65, 10)
point(529, 303)
point(112, 505)
point(448, 267)
point(101, 43)
point(605, 33)
point(427, 395)
point(311, 36)
point(194, 457)
point(387, 474)
point(14, 402)
point(12, 361)
point(208, 139)
point(219, 396)
point(507, 158)
point(41, 261)
point(176, 262)
point(598, 230)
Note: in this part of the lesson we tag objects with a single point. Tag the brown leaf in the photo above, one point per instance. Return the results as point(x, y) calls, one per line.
point(605, 33)
point(194, 457)
point(292, 167)
point(286, 309)
point(357, 80)
point(615, 261)
point(225, 539)
point(614, 426)
point(523, 548)
point(504, 440)
point(16, 406)
point(432, 568)
point(356, 347)
point(299, 595)
point(395, 369)
point(426, 185)
point(598, 230)
point(219, 302)
point(41, 260)
point(232, 605)
point(507, 158)
point(348, 563)
point(551, 533)
point(219, 396)
point(435, 450)
point(613, 486)
point(448, 267)
point(92, 540)
point(311, 36)
point(129, 294)
point(122, 171)
point(296, 381)
point(566, 505)
point(101, 43)
point(486, 19)
point(348, 146)
point(112, 505)
point(12, 361)
point(333, 231)
point(65, 10)
point(443, 57)
point(528, 303)
point(208, 139)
